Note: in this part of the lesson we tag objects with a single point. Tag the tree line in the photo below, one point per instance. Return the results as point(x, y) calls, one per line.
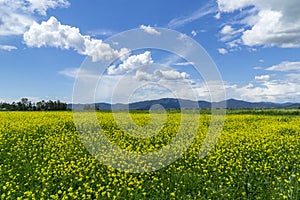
point(25, 105)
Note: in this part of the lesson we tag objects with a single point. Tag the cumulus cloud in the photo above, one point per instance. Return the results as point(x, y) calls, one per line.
point(270, 23)
point(231, 36)
point(12, 23)
point(222, 51)
point(274, 89)
point(171, 74)
point(262, 78)
point(118, 88)
point(230, 6)
point(17, 15)
point(7, 47)
point(227, 30)
point(286, 67)
point(150, 30)
point(281, 90)
point(234, 44)
point(129, 88)
point(132, 62)
point(53, 34)
point(283, 87)
point(141, 65)
point(158, 75)
point(293, 77)
point(143, 76)
point(41, 6)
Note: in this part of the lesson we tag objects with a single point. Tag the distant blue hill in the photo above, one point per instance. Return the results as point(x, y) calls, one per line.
point(176, 104)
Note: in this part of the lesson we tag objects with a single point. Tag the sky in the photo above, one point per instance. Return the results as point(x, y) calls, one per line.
point(44, 46)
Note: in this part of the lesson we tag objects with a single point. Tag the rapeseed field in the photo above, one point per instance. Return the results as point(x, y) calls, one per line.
point(256, 157)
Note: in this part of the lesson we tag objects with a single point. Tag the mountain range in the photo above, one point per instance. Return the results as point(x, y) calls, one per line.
point(176, 104)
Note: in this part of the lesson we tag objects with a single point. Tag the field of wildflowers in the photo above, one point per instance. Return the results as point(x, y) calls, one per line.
point(256, 157)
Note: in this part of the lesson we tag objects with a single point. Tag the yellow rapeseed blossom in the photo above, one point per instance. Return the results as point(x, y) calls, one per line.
point(42, 157)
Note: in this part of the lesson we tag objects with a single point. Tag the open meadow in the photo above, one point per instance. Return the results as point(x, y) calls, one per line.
point(256, 157)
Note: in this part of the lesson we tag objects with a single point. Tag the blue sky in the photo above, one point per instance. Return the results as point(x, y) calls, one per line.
point(254, 44)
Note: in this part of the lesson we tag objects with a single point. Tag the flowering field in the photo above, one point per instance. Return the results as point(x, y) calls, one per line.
point(256, 157)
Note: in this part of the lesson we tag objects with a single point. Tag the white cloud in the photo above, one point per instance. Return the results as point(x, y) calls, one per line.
point(12, 23)
point(53, 34)
point(170, 60)
point(194, 33)
point(101, 32)
point(18, 15)
point(80, 73)
point(41, 6)
point(265, 31)
point(70, 72)
point(278, 89)
point(143, 76)
point(257, 68)
point(150, 30)
point(142, 66)
point(132, 62)
point(262, 78)
point(293, 77)
point(275, 88)
point(233, 44)
point(184, 63)
point(270, 23)
point(7, 47)
point(161, 74)
point(202, 12)
point(222, 51)
point(230, 34)
point(131, 86)
point(273, 91)
point(171, 74)
point(286, 67)
point(230, 6)
point(227, 30)
point(183, 37)
point(218, 16)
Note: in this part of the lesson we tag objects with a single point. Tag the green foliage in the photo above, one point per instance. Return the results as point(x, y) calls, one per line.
point(282, 112)
point(26, 105)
